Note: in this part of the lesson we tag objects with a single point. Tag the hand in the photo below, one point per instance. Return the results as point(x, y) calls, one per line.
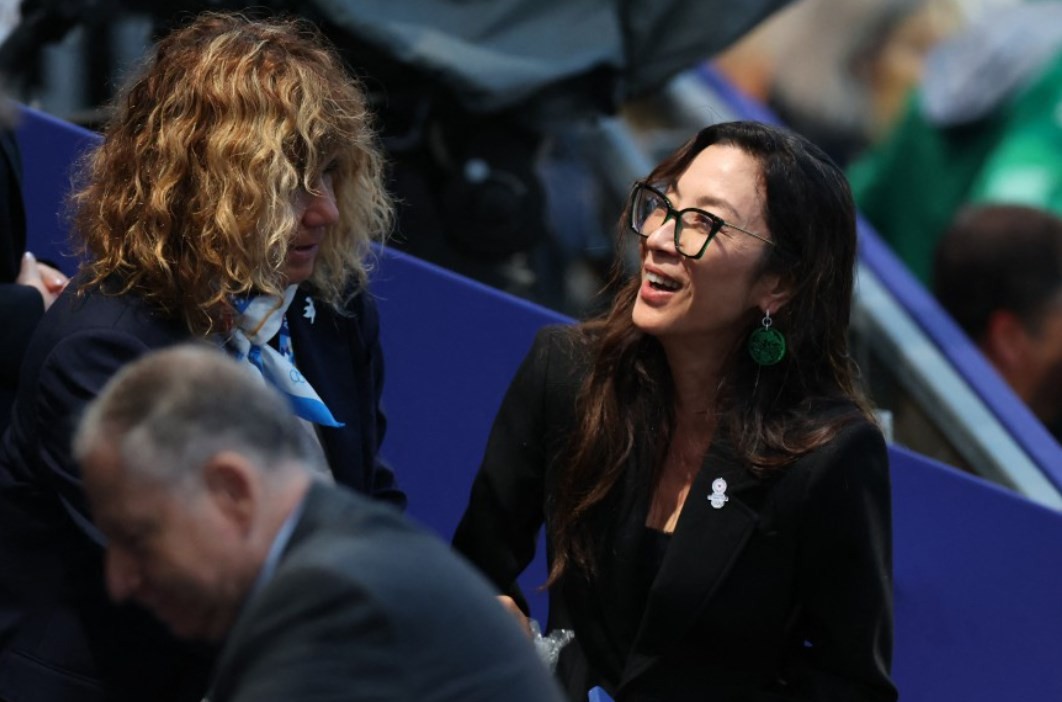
point(48, 281)
point(510, 605)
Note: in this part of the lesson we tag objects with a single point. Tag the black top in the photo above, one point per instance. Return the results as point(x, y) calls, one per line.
point(634, 565)
point(654, 548)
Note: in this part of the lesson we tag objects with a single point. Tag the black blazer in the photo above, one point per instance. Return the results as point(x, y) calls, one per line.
point(783, 593)
point(364, 606)
point(60, 638)
point(21, 306)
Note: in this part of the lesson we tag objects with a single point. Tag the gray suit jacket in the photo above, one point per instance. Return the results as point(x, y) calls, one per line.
point(364, 606)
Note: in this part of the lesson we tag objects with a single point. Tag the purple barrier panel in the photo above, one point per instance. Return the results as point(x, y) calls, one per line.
point(451, 346)
point(49, 149)
point(977, 578)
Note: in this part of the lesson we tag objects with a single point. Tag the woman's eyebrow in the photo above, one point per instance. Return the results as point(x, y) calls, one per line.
point(709, 201)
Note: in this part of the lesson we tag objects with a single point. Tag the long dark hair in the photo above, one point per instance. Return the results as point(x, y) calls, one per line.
point(626, 403)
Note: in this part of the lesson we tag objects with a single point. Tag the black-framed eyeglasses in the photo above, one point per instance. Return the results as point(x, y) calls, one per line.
point(694, 228)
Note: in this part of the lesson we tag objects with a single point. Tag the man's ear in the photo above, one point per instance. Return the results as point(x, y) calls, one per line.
point(1006, 345)
point(230, 480)
point(1004, 338)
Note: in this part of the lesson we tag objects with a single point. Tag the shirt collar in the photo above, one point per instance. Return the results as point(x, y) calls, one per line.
point(280, 541)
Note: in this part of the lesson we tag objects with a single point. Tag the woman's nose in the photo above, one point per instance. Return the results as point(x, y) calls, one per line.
point(321, 208)
point(663, 237)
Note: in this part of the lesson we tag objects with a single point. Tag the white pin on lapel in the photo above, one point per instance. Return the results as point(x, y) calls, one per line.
point(309, 311)
point(718, 497)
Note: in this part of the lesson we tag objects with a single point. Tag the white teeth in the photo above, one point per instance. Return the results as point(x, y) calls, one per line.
point(662, 282)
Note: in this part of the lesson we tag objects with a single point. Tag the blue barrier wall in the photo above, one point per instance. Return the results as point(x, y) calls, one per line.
point(976, 568)
point(451, 345)
point(49, 148)
point(977, 586)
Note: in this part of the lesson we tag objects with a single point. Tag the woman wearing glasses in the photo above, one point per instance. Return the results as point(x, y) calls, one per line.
point(715, 494)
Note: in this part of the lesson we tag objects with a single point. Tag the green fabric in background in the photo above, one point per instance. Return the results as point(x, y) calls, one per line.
point(911, 184)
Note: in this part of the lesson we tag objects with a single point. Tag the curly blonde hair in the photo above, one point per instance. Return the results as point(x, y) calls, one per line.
point(189, 200)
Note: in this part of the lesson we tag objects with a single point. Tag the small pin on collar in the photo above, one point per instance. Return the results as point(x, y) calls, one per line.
point(718, 497)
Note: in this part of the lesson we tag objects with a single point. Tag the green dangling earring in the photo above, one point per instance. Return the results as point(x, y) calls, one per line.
point(767, 345)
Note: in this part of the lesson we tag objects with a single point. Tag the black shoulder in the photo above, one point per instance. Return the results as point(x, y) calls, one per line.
point(854, 459)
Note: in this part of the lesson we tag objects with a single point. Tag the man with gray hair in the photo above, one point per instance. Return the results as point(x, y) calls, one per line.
point(205, 488)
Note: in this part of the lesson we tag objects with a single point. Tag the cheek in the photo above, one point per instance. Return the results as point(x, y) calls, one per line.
point(1054, 343)
point(174, 561)
point(1046, 397)
point(1047, 347)
point(299, 213)
point(196, 550)
point(714, 281)
point(725, 292)
point(1051, 365)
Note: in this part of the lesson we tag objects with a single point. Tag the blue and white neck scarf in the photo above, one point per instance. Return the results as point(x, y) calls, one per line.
point(261, 318)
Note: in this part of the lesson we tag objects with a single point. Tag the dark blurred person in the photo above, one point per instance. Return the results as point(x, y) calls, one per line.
point(998, 271)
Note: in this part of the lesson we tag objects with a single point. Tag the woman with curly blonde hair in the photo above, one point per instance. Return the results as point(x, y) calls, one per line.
point(233, 199)
point(191, 199)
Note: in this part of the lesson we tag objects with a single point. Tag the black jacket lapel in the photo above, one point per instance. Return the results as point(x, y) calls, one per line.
point(323, 356)
point(703, 548)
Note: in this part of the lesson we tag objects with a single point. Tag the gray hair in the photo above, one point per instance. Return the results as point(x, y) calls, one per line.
point(167, 413)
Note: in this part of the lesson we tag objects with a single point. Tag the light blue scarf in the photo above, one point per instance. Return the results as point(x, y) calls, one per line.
point(261, 318)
